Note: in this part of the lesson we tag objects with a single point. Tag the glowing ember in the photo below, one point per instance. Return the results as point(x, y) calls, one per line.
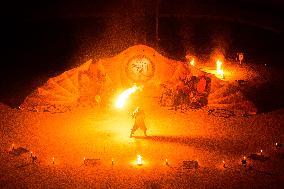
point(139, 160)
point(124, 96)
point(244, 161)
point(219, 69)
point(278, 145)
point(192, 62)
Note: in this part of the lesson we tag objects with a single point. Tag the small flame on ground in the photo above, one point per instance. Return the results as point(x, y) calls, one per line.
point(224, 165)
point(124, 96)
point(52, 160)
point(139, 160)
point(192, 62)
point(167, 163)
point(244, 157)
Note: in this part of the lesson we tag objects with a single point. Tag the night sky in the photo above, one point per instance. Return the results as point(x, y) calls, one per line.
point(43, 39)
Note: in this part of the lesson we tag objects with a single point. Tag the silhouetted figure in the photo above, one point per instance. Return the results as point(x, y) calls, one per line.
point(139, 116)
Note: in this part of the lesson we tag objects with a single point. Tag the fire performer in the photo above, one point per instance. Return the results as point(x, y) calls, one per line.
point(139, 116)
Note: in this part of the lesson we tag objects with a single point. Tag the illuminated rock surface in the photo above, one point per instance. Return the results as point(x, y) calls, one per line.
point(138, 64)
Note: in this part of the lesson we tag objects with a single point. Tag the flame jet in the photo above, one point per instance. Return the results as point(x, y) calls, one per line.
point(125, 95)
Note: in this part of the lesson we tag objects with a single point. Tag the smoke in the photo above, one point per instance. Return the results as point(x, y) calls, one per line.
point(206, 39)
point(220, 41)
point(187, 36)
point(119, 34)
point(112, 32)
point(106, 37)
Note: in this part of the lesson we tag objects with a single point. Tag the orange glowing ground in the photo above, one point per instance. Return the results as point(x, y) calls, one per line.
point(89, 146)
point(69, 138)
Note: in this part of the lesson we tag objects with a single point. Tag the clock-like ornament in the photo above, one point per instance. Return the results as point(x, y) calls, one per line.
point(140, 68)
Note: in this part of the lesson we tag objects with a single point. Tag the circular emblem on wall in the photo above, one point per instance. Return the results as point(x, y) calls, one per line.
point(140, 68)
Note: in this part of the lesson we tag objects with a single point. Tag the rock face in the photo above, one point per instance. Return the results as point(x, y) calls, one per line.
point(93, 83)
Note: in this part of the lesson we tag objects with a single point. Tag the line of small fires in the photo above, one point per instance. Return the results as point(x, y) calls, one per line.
point(193, 164)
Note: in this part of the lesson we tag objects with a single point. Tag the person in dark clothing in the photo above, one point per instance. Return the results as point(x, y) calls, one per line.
point(139, 116)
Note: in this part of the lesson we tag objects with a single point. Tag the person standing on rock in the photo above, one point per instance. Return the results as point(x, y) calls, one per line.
point(139, 116)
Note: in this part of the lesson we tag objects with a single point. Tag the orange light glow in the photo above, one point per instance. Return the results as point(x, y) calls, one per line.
point(125, 95)
point(52, 160)
point(220, 71)
point(244, 157)
point(192, 62)
point(139, 160)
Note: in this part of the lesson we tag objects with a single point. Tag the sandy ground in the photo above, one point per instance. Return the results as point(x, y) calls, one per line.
point(177, 136)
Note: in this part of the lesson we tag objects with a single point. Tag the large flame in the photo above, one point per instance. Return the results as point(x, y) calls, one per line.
point(220, 71)
point(124, 96)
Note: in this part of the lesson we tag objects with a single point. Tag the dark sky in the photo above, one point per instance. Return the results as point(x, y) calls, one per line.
point(267, 12)
point(43, 39)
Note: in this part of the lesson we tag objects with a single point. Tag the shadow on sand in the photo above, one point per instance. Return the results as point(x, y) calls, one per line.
point(220, 145)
